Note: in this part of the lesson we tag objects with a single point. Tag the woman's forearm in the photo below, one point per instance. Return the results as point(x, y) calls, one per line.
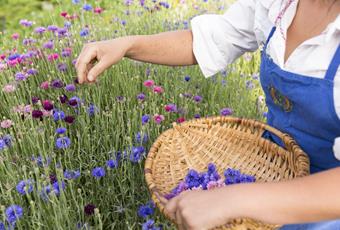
point(309, 199)
point(168, 48)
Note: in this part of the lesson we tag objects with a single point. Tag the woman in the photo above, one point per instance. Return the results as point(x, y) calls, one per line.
point(301, 80)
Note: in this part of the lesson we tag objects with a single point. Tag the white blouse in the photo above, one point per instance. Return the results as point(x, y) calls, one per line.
point(220, 39)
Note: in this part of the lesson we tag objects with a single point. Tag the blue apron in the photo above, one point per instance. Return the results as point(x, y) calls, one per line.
point(303, 106)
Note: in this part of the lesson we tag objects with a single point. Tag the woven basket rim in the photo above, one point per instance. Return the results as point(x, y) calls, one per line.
point(301, 158)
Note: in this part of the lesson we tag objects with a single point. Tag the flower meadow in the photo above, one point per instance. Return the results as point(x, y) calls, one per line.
point(72, 156)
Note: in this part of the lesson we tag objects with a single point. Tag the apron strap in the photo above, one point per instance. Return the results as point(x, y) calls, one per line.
point(333, 67)
point(268, 39)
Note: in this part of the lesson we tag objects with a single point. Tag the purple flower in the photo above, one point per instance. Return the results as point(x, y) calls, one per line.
point(24, 187)
point(69, 175)
point(26, 23)
point(145, 119)
point(20, 76)
point(198, 98)
point(37, 114)
point(60, 130)
point(32, 72)
point(146, 210)
point(58, 115)
point(63, 99)
point(69, 119)
point(141, 96)
point(62, 67)
point(192, 179)
point(2, 144)
point(138, 138)
point(57, 83)
point(197, 116)
point(98, 172)
point(48, 45)
point(112, 163)
point(226, 111)
point(70, 87)
point(150, 225)
point(13, 213)
point(87, 7)
point(40, 30)
point(92, 110)
point(52, 28)
point(187, 78)
point(136, 154)
point(41, 162)
point(84, 32)
point(8, 140)
point(58, 187)
point(89, 209)
point(63, 142)
point(47, 105)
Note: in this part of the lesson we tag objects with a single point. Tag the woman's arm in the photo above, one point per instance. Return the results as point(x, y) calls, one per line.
point(169, 48)
point(309, 199)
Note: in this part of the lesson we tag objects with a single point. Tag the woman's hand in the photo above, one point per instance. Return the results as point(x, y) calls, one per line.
point(106, 53)
point(198, 210)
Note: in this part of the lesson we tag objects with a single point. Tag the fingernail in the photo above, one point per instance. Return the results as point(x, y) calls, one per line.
point(91, 78)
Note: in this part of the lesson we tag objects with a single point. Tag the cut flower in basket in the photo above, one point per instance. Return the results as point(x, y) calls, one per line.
point(209, 180)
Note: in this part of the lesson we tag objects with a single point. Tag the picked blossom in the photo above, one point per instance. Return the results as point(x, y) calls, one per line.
point(63, 143)
point(24, 187)
point(98, 172)
point(149, 83)
point(226, 111)
point(158, 118)
point(5, 124)
point(158, 89)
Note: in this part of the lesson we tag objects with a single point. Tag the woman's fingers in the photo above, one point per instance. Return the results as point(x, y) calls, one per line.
point(83, 61)
point(97, 69)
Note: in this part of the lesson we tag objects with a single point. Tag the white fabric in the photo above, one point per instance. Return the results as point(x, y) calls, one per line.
point(220, 39)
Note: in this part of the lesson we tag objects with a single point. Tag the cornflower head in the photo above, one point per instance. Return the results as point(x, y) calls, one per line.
point(98, 172)
point(24, 187)
point(63, 143)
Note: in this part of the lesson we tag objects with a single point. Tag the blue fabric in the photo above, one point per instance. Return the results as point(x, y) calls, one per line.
point(303, 107)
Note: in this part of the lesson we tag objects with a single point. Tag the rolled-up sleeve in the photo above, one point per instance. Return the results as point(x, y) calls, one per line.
point(220, 39)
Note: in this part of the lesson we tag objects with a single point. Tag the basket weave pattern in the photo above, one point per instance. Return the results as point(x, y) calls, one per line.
point(228, 142)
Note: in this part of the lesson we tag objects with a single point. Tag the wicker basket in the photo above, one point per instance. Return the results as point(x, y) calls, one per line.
point(227, 142)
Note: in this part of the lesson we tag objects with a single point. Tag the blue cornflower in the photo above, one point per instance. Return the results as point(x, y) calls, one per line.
point(8, 140)
point(41, 162)
point(58, 115)
point(193, 179)
point(226, 111)
point(92, 110)
point(98, 172)
point(2, 226)
point(112, 163)
point(2, 144)
point(63, 142)
point(57, 187)
point(136, 153)
point(150, 225)
point(84, 32)
point(146, 210)
point(187, 78)
point(13, 213)
point(87, 7)
point(60, 130)
point(138, 137)
point(211, 168)
point(24, 187)
point(45, 192)
point(145, 119)
point(69, 174)
point(75, 1)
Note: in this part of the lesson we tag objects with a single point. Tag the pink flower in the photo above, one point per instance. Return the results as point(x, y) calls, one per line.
point(158, 89)
point(98, 10)
point(9, 88)
point(215, 184)
point(47, 113)
point(6, 124)
point(149, 83)
point(53, 57)
point(15, 36)
point(158, 118)
point(181, 120)
point(45, 85)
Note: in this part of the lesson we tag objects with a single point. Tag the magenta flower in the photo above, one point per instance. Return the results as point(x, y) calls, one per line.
point(45, 85)
point(158, 118)
point(170, 108)
point(180, 120)
point(158, 89)
point(15, 36)
point(47, 105)
point(37, 114)
point(149, 83)
point(53, 57)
